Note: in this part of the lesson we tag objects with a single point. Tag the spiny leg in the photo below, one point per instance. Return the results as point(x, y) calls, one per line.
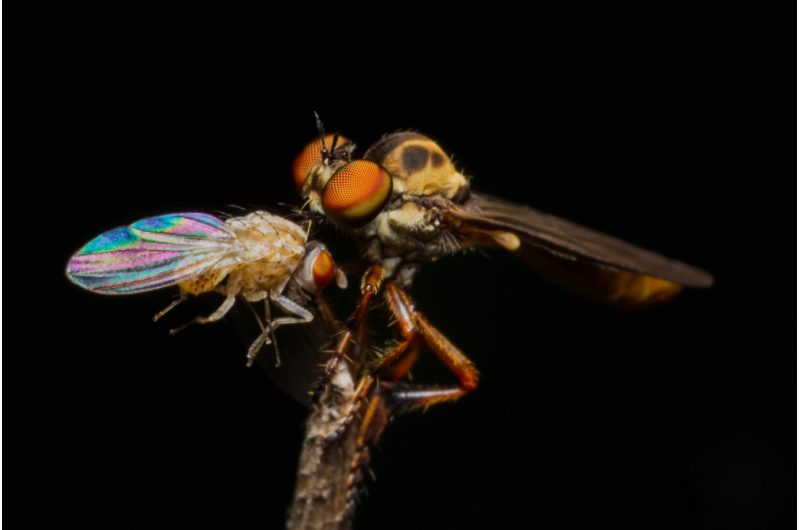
point(401, 305)
point(394, 373)
point(381, 408)
point(360, 395)
point(413, 326)
point(369, 286)
point(376, 418)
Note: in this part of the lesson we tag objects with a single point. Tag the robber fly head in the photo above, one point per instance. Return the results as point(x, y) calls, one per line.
point(353, 193)
point(322, 157)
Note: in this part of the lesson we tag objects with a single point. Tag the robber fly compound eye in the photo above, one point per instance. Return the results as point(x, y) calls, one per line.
point(311, 155)
point(356, 194)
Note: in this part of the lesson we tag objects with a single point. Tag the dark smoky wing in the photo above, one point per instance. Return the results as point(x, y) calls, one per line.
point(302, 358)
point(301, 346)
point(538, 230)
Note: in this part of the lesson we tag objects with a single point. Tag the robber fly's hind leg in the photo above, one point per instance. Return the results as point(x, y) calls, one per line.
point(370, 284)
point(382, 406)
point(394, 373)
point(414, 327)
point(403, 309)
point(232, 289)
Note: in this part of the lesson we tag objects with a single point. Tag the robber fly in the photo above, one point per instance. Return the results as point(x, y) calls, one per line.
point(260, 254)
point(407, 205)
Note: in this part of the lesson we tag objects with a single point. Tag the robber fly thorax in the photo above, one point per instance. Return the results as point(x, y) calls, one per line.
point(403, 197)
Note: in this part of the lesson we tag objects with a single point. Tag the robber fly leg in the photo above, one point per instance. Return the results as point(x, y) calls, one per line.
point(381, 408)
point(369, 286)
point(393, 373)
point(232, 289)
point(411, 323)
point(376, 418)
point(360, 395)
point(170, 306)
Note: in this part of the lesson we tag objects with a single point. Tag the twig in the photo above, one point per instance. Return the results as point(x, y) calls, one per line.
point(322, 491)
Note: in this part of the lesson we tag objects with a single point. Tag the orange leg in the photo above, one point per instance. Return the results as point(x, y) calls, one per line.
point(390, 395)
point(413, 327)
point(366, 385)
point(413, 324)
point(355, 331)
point(377, 416)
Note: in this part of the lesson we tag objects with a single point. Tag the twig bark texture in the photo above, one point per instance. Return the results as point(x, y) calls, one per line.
point(322, 491)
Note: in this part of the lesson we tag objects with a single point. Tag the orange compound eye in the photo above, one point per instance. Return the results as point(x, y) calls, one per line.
point(356, 194)
point(309, 156)
point(323, 270)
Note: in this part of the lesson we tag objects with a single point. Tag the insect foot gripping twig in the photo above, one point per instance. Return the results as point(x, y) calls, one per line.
point(323, 493)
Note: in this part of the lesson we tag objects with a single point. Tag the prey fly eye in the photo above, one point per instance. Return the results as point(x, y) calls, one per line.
point(317, 269)
point(323, 269)
point(356, 194)
point(312, 153)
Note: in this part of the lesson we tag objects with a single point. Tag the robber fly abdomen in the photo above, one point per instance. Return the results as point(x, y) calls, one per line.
point(259, 254)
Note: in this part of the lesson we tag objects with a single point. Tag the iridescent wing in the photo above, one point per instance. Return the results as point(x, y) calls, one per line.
point(152, 253)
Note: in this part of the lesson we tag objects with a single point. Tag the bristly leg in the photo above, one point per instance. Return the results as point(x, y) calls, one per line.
point(414, 329)
point(370, 285)
point(383, 405)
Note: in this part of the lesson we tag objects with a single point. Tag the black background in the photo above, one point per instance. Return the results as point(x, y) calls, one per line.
point(676, 417)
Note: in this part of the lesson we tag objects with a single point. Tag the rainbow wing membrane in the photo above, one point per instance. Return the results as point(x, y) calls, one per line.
point(152, 253)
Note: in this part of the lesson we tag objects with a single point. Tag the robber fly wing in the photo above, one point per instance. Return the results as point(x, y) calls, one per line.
point(302, 360)
point(302, 350)
point(586, 261)
point(152, 253)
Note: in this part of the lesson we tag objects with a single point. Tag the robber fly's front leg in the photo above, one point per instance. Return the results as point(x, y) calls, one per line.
point(370, 285)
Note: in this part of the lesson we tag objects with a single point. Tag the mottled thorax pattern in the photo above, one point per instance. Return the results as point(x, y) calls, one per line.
point(421, 172)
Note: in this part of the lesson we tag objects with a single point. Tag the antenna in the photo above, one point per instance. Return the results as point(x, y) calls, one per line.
point(326, 155)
